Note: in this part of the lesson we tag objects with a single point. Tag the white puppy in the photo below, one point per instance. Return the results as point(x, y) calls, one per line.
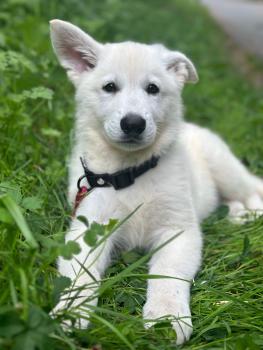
point(129, 110)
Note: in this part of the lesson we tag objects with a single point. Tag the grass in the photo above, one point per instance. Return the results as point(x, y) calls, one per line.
point(36, 119)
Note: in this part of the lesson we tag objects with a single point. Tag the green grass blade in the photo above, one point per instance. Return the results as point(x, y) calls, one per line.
point(109, 283)
point(18, 217)
point(114, 330)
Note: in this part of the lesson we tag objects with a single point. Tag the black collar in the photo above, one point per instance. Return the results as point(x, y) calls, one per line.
point(119, 179)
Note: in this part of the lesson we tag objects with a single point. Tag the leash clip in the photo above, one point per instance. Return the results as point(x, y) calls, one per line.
point(79, 182)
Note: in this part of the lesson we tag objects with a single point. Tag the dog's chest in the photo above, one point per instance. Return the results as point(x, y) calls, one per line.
point(159, 198)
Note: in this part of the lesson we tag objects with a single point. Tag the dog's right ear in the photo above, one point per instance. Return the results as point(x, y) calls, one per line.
point(76, 51)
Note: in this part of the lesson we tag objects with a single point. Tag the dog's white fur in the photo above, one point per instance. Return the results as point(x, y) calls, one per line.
point(196, 169)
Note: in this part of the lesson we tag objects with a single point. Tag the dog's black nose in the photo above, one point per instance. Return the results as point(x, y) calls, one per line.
point(133, 124)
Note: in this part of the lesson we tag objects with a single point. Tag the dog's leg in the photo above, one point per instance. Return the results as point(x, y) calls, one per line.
point(180, 260)
point(84, 270)
point(236, 185)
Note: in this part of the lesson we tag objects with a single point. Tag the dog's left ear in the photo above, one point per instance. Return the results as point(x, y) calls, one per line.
point(182, 67)
point(77, 51)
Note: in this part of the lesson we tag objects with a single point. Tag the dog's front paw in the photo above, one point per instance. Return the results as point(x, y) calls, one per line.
point(178, 312)
point(78, 314)
point(68, 325)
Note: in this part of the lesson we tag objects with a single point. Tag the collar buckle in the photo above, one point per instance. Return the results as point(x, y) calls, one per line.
point(122, 179)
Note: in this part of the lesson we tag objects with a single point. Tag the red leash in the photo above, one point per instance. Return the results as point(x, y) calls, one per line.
point(82, 192)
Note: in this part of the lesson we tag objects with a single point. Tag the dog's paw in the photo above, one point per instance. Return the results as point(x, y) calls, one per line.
point(241, 213)
point(69, 325)
point(74, 322)
point(238, 214)
point(79, 314)
point(78, 323)
point(178, 313)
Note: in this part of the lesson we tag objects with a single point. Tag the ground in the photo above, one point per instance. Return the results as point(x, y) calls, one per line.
point(242, 20)
point(36, 118)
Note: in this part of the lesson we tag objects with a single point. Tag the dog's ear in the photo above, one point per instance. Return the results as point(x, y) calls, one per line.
point(76, 51)
point(182, 67)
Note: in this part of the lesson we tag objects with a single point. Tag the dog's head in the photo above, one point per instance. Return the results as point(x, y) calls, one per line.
point(130, 93)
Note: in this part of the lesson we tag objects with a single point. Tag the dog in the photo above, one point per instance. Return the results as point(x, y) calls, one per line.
point(136, 149)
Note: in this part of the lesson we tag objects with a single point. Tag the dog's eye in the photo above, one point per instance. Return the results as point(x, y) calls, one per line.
point(110, 87)
point(152, 89)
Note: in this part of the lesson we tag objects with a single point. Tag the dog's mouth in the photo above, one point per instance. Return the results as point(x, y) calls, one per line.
point(131, 143)
point(131, 140)
point(128, 142)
